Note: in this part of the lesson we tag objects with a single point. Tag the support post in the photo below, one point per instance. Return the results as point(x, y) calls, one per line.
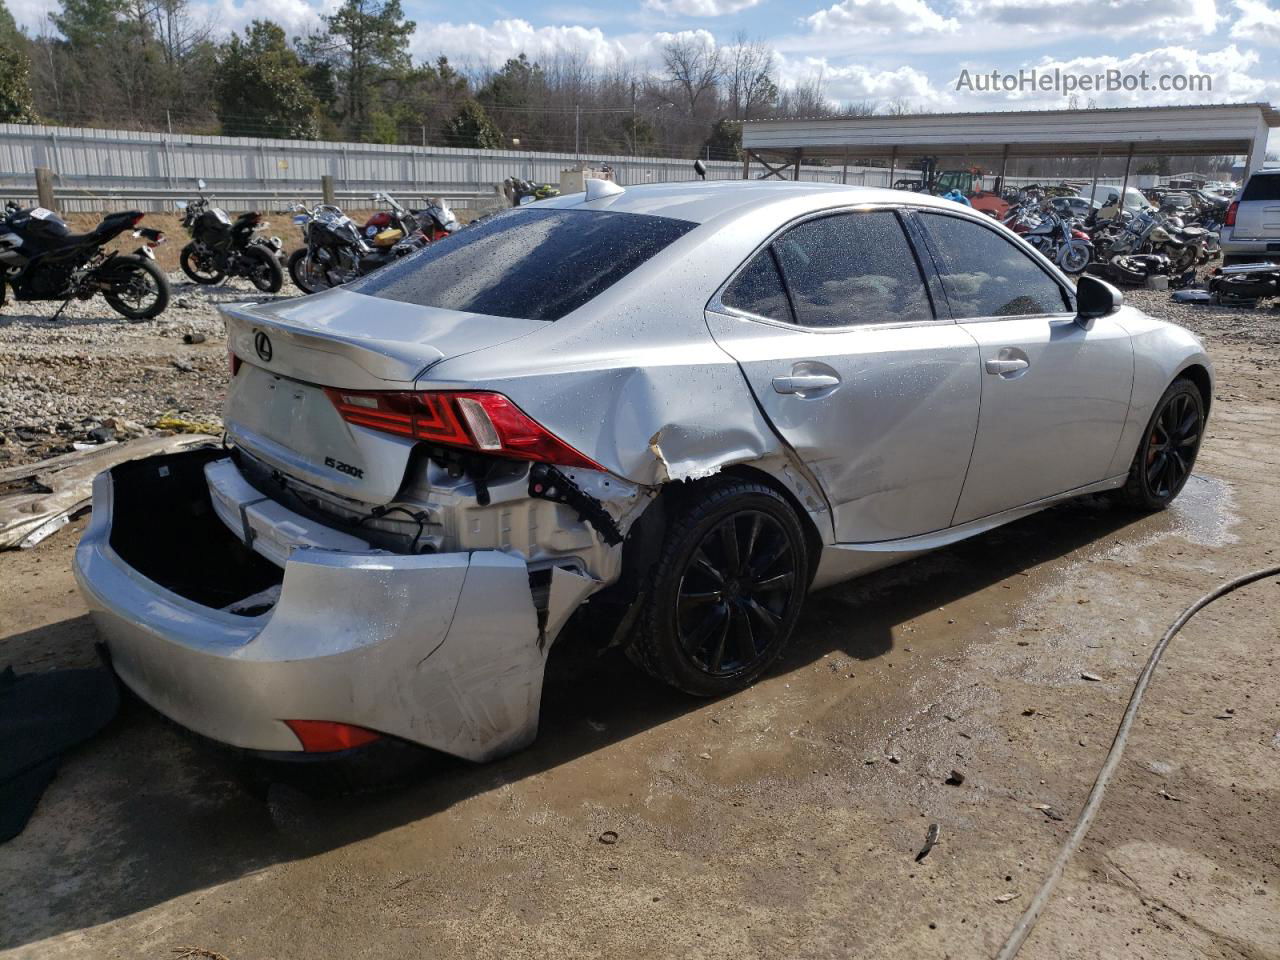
point(1124, 187)
point(1093, 191)
point(796, 162)
point(326, 188)
point(1004, 165)
point(746, 164)
point(893, 166)
point(844, 171)
point(44, 188)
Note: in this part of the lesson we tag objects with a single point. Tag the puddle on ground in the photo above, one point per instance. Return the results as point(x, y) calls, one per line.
point(1203, 514)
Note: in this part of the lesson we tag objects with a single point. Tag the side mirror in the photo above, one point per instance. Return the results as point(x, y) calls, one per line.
point(201, 184)
point(1095, 298)
point(700, 168)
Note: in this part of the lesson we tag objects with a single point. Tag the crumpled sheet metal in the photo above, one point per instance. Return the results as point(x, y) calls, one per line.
point(440, 649)
point(669, 414)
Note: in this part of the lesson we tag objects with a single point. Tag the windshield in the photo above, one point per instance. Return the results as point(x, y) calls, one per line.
point(528, 264)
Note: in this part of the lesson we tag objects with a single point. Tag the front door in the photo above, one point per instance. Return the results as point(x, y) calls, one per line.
point(834, 327)
point(1055, 395)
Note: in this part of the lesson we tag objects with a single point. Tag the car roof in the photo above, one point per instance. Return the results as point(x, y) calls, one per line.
point(706, 201)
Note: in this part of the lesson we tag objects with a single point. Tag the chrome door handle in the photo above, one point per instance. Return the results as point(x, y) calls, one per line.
point(1002, 367)
point(799, 383)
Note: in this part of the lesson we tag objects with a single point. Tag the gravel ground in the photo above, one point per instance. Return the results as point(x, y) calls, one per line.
point(91, 374)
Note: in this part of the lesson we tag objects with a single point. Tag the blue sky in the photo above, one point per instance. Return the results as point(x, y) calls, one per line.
point(864, 50)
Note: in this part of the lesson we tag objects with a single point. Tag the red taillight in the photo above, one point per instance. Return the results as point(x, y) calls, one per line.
point(1230, 221)
point(233, 363)
point(325, 736)
point(136, 220)
point(488, 422)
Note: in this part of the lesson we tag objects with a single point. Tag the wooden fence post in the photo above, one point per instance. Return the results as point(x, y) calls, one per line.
point(326, 188)
point(44, 188)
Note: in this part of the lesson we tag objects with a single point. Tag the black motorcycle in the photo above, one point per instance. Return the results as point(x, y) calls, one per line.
point(336, 251)
point(42, 259)
point(221, 247)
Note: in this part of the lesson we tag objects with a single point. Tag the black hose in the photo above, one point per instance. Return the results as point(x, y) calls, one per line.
point(1028, 919)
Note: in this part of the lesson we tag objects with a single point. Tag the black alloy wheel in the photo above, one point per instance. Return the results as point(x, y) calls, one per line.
point(734, 593)
point(1167, 452)
point(723, 593)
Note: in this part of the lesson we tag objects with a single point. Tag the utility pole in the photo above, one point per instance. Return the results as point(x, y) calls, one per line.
point(633, 118)
point(169, 120)
point(577, 126)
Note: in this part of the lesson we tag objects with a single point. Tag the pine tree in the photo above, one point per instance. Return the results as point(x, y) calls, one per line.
point(262, 86)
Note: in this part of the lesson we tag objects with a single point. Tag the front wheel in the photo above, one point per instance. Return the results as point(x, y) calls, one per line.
point(262, 269)
point(1075, 256)
point(199, 265)
point(1168, 449)
point(137, 288)
point(307, 275)
point(726, 589)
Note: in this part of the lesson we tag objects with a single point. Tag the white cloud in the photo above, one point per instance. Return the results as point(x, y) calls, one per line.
point(700, 8)
point(1259, 22)
point(295, 16)
point(496, 42)
point(881, 17)
point(856, 82)
point(1114, 17)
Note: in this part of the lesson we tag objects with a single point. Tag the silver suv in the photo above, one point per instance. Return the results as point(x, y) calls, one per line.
point(1251, 231)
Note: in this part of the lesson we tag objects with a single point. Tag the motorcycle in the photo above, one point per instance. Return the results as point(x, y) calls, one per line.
point(221, 247)
point(1058, 239)
point(42, 259)
point(433, 222)
point(332, 248)
point(337, 252)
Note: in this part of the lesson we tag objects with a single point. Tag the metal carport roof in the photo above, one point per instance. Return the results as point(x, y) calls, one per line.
point(1207, 129)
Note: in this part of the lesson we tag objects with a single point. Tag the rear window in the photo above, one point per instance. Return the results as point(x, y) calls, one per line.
point(527, 264)
point(1262, 187)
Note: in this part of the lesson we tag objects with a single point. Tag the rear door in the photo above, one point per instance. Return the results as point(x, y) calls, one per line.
point(834, 326)
point(1055, 396)
point(1258, 216)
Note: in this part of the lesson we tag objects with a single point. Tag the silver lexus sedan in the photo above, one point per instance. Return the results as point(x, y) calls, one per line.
point(685, 405)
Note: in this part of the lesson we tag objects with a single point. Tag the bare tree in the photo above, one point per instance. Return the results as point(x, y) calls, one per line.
point(749, 77)
point(695, 68)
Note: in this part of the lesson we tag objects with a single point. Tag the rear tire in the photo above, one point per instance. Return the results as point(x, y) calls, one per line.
point(140, 290)
point(1167, 452)
point(725, 590)
point(193, 266)
point(263, 270)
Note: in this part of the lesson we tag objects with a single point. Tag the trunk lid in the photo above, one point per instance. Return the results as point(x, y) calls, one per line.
point(290, 350)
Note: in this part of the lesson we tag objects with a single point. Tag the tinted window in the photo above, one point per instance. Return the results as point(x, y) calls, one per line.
point(758, 289)
point(1266, 187)
point(986, 275)
point(852, 268)
point(529, 264)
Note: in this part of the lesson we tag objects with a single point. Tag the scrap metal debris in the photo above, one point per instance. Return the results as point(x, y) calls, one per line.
point(609, 837)
point(1047, 810)
point(549, 483)
point(930, 839)
point(1006, 897)
point(40, 498)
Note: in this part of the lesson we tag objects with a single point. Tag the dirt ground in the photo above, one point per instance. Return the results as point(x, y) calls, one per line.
point(781, 822)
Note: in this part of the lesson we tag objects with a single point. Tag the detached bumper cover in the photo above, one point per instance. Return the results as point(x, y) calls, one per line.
point(442, 650)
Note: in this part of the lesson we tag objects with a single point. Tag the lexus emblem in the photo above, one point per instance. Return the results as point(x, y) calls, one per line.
point(262, 345)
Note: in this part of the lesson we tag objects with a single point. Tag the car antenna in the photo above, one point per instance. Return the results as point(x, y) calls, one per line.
point(598, 188)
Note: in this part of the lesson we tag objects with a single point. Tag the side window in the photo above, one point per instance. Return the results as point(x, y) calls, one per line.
point(986, 275)
point(852, 268)
point(758, 289)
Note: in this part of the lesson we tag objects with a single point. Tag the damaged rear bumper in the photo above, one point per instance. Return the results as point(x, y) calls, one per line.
point(440, 649)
